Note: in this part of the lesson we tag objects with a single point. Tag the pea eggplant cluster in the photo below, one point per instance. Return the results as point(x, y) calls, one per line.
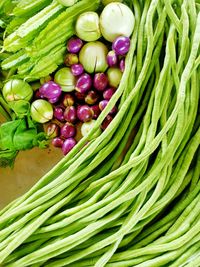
point(69, 102)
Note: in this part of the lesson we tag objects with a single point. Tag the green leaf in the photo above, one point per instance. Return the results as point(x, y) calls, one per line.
point(41, 140)
point(20, 134)
point(24, 136)
point(7, 158)
point(7, 132)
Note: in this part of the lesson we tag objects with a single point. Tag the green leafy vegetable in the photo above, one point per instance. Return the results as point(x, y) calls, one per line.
point(30, 7)
point(19, 135)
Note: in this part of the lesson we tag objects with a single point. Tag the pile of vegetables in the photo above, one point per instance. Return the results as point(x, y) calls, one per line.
point(20, 132)
point(78, 93)
point(91, 75)
point(37, 34)
point(129, 196)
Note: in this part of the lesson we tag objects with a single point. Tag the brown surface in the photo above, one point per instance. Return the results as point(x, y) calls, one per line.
point(29, 167)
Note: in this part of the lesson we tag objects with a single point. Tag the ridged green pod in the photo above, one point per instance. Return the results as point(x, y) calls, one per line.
point(46, 64)
point(14, 24)
point(15, 60)
point(25, 68)
point(35, 53)
point(12, 43)
point(27, 31)
point(30, 7)
point(41, 18)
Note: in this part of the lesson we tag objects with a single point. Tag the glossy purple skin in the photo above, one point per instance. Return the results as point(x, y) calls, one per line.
point(68, 144)
point(57, 142)
point(112, 58)
point(84, 113)
point(58, 113)
point(91, 97)
point(122, 64)
point(121, 45)
point(68, 100)
point(106, 122)
point(52, 130)
point(54, 100)
point(77, 69)
point(71, 59)
point(108, 93)
point(103, 104)
point(84, 83)
point(70, 114)
point(74, 45)
point(50, 90)
point(100, 81)
point(68, 130)
point(96, 111)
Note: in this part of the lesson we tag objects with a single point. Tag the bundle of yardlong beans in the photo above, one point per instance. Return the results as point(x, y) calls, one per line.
point(130, 197)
